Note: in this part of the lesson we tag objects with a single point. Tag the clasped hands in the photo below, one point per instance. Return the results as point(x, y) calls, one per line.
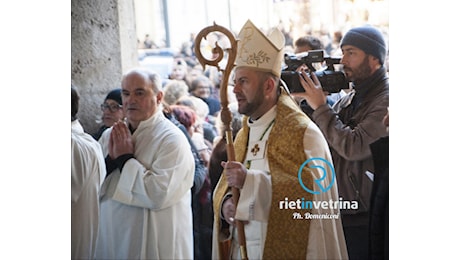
point(120, 141)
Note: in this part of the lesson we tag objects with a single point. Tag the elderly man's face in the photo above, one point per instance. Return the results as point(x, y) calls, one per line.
point(139, 100)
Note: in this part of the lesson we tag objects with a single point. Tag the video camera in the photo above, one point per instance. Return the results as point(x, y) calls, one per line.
point(331, 81)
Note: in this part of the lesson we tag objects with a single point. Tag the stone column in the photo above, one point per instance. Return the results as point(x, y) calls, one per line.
point(104, 46)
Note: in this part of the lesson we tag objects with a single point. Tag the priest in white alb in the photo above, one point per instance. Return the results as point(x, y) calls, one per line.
point(88, 173)
point(146, 202)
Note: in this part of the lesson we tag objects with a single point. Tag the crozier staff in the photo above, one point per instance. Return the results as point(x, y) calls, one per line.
point(275, 140)
point(226, 117)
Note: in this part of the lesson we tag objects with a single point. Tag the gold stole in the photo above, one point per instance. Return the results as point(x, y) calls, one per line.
point(287, 238)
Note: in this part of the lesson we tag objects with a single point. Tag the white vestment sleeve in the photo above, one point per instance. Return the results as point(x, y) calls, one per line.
point(255, 197)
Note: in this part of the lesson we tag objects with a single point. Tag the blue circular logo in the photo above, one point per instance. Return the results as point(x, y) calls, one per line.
point(323, 177)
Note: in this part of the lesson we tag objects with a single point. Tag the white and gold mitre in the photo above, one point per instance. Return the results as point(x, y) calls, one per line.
point(257, 51)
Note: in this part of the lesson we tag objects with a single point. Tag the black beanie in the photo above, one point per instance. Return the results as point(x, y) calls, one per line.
point(368, 39)
point(115, 95)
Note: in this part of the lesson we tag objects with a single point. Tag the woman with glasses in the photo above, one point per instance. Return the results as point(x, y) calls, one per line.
point(112, 111)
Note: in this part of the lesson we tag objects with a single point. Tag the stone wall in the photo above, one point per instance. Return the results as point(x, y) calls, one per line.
point(104, 45)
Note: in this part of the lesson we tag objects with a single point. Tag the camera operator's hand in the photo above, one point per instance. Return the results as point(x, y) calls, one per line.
point(301, 68)
point(314, 94)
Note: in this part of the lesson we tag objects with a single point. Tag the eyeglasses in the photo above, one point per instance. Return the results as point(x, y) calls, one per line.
point(113, 108)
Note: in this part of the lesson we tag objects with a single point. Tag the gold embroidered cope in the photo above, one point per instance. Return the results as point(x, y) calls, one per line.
point(286, 237)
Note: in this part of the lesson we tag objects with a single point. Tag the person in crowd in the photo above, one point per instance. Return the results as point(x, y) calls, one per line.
point(193, 73)
point(145, 206)
point(148, 43)
point(174, 90)
point(201, 169)
point(274, 142)
point(336, 39)
point(312, 43)
point(201, 201)
point(307, 43)
point(188, 47)
point(88, 173)
point(112, 111)
point(179, 70)
point(201, 88)
point(379, 212)
point(215, 76)
point(201, 131)
point(205, 125)
point(188, 118)
point(352, 124)
point(219, 150)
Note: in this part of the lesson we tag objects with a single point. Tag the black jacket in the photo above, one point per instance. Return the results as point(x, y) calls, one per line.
point(379, 209)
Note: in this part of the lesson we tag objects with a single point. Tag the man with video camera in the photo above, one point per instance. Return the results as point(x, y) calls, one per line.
point(352, 124)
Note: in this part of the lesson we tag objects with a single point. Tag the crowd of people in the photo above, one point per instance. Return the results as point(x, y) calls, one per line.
point(155, 181)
